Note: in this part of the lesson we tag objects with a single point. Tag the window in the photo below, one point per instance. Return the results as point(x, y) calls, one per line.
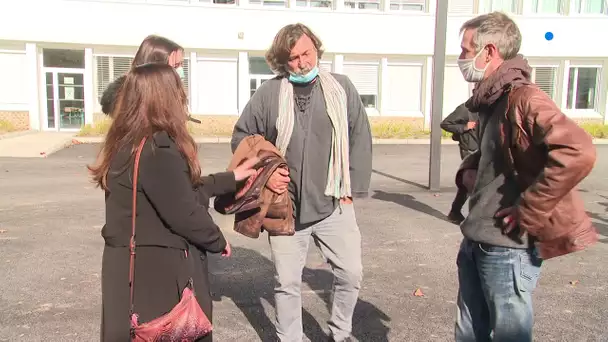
point(461, 6)
point(365, 78)
point(109, 68)
point(217, 90)
point(546, 6)
point(590, 6)
point(501, 5)
point(325, 65)
point(408, 5)
point(455, 89)
point(259, 72)
point(582, 88)
point(55, 58)
point(314, 3)
point(219, 2)
point(545, 79)
point(404, 93)
point(14, 83)
point(269, 3)
point(363, 4)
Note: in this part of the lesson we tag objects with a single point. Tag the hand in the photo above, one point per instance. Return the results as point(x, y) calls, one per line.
point(510, 220)
point(469, 177)
point(278, 181)
point(227, 251)
point(346, 200)
point(246, 170)
point(471, 125)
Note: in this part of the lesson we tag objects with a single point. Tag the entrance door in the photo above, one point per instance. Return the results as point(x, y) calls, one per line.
point(64, 99)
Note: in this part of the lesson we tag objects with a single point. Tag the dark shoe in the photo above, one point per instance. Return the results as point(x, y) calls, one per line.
point(455, 217)
point(348, 339)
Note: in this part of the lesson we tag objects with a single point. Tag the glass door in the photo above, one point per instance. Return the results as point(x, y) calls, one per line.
point(64, 99)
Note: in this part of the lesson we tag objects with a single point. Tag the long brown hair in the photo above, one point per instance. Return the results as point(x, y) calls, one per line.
point(152, 99)
point(155, 49)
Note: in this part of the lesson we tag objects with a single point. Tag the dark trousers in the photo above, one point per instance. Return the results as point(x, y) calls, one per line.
point(461, 194)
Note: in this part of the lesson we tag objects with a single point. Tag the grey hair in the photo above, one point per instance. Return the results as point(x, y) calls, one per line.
point(498, 29)
point(278, 54)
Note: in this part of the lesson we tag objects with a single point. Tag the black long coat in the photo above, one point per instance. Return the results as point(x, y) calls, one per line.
point(172, 218)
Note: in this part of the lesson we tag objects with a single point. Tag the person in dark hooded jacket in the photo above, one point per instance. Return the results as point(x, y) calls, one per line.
point(463, 125)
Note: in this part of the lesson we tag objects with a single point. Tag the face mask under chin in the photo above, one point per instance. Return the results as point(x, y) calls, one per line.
point(304, 77)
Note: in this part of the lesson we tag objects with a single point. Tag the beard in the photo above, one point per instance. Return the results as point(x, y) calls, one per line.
point(303, 71)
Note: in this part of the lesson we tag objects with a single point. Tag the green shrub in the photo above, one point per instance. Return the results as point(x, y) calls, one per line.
point(596, 130)
point(98, 128)
point(6, 126)
point(380, 130)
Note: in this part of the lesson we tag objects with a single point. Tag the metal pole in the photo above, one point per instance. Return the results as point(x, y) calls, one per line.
point(441, 26)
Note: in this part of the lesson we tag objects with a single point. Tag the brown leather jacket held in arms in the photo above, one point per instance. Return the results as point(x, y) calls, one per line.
point(550, 155)
point(256, 207)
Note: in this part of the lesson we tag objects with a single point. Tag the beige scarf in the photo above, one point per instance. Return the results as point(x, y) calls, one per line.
point(338, 175)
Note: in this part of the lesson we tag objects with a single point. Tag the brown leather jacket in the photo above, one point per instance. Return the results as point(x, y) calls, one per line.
point(256, 207)
point(549, 155)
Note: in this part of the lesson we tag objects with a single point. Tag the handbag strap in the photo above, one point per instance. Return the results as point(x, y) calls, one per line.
point(134, 214)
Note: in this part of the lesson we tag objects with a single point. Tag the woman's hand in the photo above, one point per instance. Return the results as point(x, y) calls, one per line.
point(246, 170)
point(227, 252)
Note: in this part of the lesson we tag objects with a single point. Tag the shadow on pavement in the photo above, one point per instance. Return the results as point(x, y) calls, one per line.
point(368, 320)
point(248, 277)
point(408, 201)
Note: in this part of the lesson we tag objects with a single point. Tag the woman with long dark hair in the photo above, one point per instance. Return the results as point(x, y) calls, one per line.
point(153, 49)
point(174, 228)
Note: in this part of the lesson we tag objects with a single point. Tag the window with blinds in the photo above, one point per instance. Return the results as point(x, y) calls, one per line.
point(363, 4)
point(365, 79)
point(404, 89)
point(547, 6)
point(545, 78)
point(461, 6)
point(408, 5)
point(591, 6)
point(324, 65)
point(508, 6)
point(109, 68)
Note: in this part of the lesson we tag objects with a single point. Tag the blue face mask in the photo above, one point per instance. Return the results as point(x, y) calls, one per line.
point(180, 72)
point(304, 78)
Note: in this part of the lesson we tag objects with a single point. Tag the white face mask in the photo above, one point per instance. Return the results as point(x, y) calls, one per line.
point(470, 71)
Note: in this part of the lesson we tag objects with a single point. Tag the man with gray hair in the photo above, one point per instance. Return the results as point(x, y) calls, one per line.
point(317, 121)
point(523, 204)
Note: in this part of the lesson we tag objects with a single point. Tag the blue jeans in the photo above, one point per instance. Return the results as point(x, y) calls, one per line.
point(495, 292)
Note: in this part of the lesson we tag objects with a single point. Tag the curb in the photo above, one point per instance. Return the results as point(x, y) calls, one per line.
point(16, 134)
point(375, 141)
point(59, 146)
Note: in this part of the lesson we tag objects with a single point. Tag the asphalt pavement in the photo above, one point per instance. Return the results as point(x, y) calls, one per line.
point(50, 258)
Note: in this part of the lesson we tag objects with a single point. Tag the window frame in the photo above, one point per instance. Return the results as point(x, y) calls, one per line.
point(527, 9)
point(573, 5)
point(582, 112)
point(425, 8)
point(365, 10)
point(373, 111)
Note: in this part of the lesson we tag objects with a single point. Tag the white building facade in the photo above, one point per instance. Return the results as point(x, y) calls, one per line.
point(57, 56)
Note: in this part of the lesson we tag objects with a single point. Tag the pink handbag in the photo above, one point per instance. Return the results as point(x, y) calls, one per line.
point(186, 321)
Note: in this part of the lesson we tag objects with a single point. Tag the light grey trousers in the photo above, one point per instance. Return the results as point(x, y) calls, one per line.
point(339, 239)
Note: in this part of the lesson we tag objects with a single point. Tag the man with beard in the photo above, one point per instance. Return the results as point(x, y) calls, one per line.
point(317, 121)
